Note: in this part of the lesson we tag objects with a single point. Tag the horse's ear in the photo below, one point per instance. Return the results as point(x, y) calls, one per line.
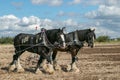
point(92, 29)
point(64, 29)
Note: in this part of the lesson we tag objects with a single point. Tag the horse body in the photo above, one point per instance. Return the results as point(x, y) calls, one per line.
point(75, 41)
point(41, 43)
point(26, 42)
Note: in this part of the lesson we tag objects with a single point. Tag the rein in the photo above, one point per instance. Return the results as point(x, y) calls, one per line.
point(39, 44)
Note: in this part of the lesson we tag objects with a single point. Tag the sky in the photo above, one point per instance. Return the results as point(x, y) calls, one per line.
point(23, 16)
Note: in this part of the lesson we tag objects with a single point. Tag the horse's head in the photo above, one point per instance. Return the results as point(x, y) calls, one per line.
point(90, 37)
point(60, 37)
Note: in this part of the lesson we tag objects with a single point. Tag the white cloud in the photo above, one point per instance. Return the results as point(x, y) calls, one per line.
point(75, 2)
point(70, 22)
point(93, 2)
point(56, 2)
point(68, 14)
point(48, 2)
point(105, 12)
point(17, 5)
point(102, 31)
point(109, 10)
point(112, 3)
point(12, 25)
point(8, 21)
point(101, 2)
point(26, 21)
point(61, 13)
point(107, 17)
point(47, 23)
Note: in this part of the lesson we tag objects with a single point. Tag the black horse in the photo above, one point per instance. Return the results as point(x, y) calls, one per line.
point(75, 40)
point(42, 44)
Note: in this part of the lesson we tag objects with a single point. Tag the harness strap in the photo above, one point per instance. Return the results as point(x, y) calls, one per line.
point(75, 37)
point(31, 40)
point(45, 40)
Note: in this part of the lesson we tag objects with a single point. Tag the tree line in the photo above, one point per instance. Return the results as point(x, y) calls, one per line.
point(106, 39)
point(6, 40)
point(9, 40)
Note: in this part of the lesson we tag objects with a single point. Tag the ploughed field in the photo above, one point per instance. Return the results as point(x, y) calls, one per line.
point(99, 63)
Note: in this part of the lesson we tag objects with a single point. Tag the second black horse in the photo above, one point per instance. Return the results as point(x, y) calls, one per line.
point(75, 40)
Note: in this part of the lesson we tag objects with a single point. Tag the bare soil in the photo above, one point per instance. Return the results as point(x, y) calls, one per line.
point(99, 63)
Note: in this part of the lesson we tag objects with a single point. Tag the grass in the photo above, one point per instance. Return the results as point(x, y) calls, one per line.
point(108, 43)
point(6, 45)
point(100, 43)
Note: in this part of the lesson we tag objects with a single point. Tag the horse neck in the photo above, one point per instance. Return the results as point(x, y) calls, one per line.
point(82, 35)
point(51, 36)
point(69, 37)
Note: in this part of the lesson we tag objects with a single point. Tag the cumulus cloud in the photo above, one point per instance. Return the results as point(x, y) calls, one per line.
point(26, 21)
point(12, 25)
point(17, 5)
point(70, 22)
point(108, 17)
point(68, 14)
point(101, 2)
point(105, 12)
point(61, 13)
point(75, 2)
point(48, 2)
point(112, 3)
point(7, 21)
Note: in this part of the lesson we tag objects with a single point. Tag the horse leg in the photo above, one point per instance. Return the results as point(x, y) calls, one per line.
point(55, 65)
point(73, 51)
point(49, 67)
point(73, 64)
point(39, 67)
point(74, 58)
point(19, 67)
point(54, 55)
point(13, 64)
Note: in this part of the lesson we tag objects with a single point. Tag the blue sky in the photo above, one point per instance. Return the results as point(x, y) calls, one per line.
point(18, 16)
